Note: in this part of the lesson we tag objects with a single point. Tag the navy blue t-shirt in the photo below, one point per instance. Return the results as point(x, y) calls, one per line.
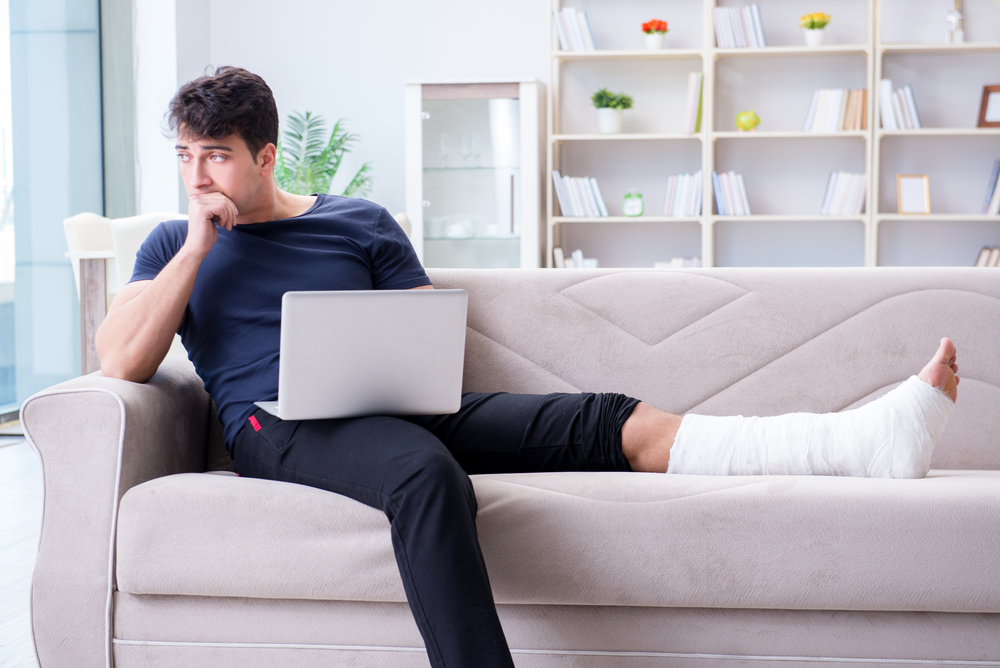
point(232, 323)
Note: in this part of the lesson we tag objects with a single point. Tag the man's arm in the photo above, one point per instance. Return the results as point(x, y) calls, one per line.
point(142, 320)
point(423, 287)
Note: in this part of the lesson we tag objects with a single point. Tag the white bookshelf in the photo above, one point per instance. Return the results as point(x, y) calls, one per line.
point(783, 76)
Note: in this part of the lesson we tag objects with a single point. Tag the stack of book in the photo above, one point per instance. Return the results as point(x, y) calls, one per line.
point(730, 194)
point(574, 261)
point(845, 194)
point(579, 196)
point(692, 117)
point(573, 28)
point(899, 108)
point(683, 195)
point(737, 28)
point(991, 205)
point(836, 110)
point(679, 263)
point(989, 257)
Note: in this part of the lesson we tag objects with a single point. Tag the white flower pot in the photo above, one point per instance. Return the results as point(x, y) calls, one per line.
point(654, 41)
point(814, 38)
point(609, 121)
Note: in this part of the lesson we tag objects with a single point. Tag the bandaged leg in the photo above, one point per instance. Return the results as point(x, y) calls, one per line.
point(891, 437)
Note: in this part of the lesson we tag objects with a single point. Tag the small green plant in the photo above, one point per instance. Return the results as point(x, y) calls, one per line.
point(605, 99)
point(306, 164)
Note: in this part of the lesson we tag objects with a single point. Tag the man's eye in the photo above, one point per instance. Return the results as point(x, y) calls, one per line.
point(217, 158)
point(183, 157)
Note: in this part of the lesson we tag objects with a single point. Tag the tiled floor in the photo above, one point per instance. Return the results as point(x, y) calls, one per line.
point(20, 523)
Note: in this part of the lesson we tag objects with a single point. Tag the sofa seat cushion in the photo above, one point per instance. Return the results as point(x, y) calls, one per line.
point(780, 542)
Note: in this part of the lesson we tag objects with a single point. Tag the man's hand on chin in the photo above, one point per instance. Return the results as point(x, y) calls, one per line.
point(205, 211)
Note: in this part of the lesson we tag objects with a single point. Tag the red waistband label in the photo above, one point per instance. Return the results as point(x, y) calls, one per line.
point(256, 425)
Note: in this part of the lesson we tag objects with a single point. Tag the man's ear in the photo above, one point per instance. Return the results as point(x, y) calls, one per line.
point(266, 158)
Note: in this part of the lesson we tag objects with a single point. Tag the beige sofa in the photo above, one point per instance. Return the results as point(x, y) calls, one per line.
point(147, 561)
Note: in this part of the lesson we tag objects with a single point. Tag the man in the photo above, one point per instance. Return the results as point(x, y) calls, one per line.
point(218, 279)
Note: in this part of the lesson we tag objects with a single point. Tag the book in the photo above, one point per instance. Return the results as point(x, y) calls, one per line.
point(560, 27)
point(994, 257)
point(600, 198)
point(561, 196)
point(744, 202)
point(588, 36)
point(573, 29)
point(720, 204)
point(575, 207)
point(897, 111)
point(811, 113)
point(693, 109)
point(824, 210)
point(843, 96)
point(991, 186)
point(911, 106)
point(759, 28)
point(885, 105)
point(578, 258)
point(558, 260)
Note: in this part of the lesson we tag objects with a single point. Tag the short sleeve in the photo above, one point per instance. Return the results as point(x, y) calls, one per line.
point(394, 262)
point(158, 249)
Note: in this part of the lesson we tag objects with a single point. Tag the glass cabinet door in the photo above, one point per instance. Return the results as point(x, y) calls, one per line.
point(471, 182)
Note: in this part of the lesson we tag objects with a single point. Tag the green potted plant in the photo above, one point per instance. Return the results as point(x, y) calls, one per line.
point(609, 110)
point(306, 164)
point(814, 24)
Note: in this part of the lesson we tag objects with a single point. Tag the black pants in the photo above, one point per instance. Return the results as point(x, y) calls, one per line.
point(415, 469)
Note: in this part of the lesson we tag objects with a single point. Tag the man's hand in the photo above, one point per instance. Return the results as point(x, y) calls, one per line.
point(205, 211)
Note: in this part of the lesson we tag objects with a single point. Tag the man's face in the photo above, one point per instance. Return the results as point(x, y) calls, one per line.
point(220, 165)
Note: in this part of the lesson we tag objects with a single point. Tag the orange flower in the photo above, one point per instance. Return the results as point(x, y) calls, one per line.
point(654, 26)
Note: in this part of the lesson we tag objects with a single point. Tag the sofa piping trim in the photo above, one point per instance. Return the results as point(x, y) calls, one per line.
point(560, 652)
point(114, 506)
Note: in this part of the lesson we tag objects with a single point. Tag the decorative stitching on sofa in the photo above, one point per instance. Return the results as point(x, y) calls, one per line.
point(109, 605)
point(533, 363)
point(633, 502)
point(565, 652)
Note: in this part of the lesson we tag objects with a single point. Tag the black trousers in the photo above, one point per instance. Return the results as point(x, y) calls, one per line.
point(415, 469)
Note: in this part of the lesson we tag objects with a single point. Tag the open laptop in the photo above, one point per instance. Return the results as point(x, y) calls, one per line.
point(350, 353)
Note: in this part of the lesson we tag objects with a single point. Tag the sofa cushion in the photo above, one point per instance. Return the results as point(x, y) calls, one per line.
point(785, 542)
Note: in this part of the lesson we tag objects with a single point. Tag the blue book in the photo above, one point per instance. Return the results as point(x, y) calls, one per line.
point(991, 187)
point(717, 187)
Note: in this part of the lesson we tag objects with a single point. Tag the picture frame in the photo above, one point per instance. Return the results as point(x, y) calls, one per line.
point(913, 193)
point(989, 108)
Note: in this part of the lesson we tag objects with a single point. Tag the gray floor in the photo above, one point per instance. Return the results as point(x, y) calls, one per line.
point(20, 523)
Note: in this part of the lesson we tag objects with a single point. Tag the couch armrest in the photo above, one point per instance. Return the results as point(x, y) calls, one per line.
point(98, 437)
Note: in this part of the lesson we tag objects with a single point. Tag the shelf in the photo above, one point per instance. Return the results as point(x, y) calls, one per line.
point(629, 219)
point(860, 134)
point(939, 217)
point(809, 218)
point(780, 51)
point(662, 54)
point(933, 47)
point(625, 136)
point(941, 132)
point(472, 238)
point(469, 169)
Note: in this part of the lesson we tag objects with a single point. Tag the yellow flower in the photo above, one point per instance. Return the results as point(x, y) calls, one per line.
point(814, 21)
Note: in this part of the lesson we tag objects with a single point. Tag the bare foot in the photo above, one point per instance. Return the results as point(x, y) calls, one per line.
point(941, 371)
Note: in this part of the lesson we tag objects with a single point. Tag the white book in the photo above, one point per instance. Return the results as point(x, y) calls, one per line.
point(600, 197)
point(719, 37)
point(819, 120)
point(720, 203)
point(693, 97)
point(588, 37)
point(698, 188)
point(844, 196)
point(692, 194)
point(912, 105)
point(578, 258)
point(897, 111)
point(558, 259)
point(727, 195)
point(737, 20)
point(678, 207)
point(833, 112)
point(587, 197)
point(859, 202)
point(758, 25)
point(560, 31)
point(749, 27)
point(824, 210)
point(557, 186)
point(807, 126)
point(573, 29)
point(835, 193)
point(727, 25)
point(744, 201)
point(842, 112)
point(885, 105)
point(668, 195)
point(899, 106)
point(575, 207)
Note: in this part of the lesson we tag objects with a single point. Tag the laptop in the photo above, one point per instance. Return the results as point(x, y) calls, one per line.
point(350, 353)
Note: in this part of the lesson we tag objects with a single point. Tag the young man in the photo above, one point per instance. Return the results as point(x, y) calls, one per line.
point(218, 278)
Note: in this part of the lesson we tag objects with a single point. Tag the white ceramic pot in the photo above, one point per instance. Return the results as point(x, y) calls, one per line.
point(814, 38)
point(609, 121)
point(654, 41)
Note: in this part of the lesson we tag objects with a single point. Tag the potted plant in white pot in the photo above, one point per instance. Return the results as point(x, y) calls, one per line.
point(609, 110)
point(814, 24)
point(655, 30)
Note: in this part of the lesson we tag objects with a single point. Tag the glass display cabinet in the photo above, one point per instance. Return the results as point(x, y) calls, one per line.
point(473, 176)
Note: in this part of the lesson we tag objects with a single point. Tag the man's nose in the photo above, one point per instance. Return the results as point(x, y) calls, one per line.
point(198, 176)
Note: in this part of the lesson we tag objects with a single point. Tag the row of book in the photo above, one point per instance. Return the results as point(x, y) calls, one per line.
point(898, 108)
point(679, 263)
point(692, 114)
point(989, 257)
point(573, 29)
point(991, 205)
point(579, 196)
point(845, 194)
point(730, 194)
point(574, 261)
point(739, 28)
point(836, 110)
point(683, 195)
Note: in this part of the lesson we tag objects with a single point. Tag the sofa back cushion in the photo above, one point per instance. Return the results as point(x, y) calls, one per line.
point(740, 341)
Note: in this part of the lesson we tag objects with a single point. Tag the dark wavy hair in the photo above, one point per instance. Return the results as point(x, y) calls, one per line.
point(228, 101)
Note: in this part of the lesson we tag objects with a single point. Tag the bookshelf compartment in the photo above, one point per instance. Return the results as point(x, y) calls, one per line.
point(916, 242)
point(947, 96)
point(789, 243)
point(849, 24)
point(633, 244)
point(902, 22)
point(957, 173)
point(618, 26)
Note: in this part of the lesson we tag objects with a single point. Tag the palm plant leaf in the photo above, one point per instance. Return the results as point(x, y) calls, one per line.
point(306, 164)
